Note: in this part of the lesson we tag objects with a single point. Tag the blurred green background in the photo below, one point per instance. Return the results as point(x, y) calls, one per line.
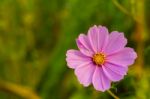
point(35, 35)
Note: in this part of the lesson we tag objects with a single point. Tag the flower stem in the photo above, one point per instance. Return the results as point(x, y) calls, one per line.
point(121, 8)
point(124, 10)
point(113, 95)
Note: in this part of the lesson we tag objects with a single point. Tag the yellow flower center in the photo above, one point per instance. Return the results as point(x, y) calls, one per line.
point(98, 58)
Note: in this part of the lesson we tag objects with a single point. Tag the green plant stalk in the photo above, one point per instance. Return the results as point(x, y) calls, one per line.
point(113, 95)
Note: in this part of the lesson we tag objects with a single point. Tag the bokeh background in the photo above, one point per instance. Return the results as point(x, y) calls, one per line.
point(35, 35)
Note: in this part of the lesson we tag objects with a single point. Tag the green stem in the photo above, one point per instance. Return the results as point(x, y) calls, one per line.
point(113, 95)
point(124, 10)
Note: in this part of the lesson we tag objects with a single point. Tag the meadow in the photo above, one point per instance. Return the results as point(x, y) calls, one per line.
point(35, 35)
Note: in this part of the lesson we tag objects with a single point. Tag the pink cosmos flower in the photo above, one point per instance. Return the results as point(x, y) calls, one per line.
point(102, 58)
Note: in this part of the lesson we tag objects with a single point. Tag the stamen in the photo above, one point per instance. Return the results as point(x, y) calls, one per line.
point(98, 58)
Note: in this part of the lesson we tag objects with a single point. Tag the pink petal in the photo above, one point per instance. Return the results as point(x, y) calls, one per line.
point(84, 45)
point(84, 73)
point(76, 58)
point(116, 42)
point(98, 37)
point(114, 72)
point(124, 57)
point(100, 80)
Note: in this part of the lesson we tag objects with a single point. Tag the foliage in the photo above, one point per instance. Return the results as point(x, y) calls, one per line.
point(34, 37)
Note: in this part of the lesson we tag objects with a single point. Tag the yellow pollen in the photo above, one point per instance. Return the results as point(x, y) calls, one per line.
point(98, 58)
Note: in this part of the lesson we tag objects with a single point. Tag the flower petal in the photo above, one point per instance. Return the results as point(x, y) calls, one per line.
point(76, 58)
point(114, 72)
point(84, 73)
point(98, 37)
point(124, 57)
point(116, 42)
point(84, 45)
point(100, 80)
